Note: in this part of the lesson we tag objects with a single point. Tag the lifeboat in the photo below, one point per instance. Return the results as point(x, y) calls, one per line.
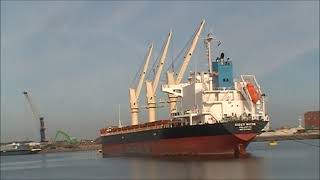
point(255, 96)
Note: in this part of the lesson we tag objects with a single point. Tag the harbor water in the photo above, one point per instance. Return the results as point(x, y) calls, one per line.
point(295, 159)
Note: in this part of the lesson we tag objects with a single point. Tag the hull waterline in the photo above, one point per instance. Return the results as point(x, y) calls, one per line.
point(199, 140)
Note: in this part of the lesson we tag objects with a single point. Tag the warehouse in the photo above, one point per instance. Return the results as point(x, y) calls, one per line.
point(312, 120)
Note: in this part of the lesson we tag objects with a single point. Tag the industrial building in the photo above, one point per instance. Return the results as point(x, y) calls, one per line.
point(312, 120)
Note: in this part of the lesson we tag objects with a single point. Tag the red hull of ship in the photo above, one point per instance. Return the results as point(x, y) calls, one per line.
point(205, 145)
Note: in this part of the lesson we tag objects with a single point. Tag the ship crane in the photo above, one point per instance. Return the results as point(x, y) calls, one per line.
point(36, 116)
point(151, 87)
point(173, 88)
point(134, 93)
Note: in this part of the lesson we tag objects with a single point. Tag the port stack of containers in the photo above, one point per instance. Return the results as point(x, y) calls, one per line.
point(312, 120)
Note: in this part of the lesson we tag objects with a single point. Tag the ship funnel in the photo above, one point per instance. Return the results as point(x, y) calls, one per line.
point(221, 55)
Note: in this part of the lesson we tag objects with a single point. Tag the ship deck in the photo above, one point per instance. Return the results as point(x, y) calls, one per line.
point(139, 127)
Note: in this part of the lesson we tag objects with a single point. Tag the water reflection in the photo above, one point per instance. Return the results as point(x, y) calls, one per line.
point(250, 167)
point(289, 160)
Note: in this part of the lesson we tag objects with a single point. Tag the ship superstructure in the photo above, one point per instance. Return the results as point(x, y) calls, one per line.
point(211, 113)
point(214, 96)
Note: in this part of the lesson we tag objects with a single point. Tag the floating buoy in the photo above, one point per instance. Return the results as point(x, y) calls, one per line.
point(273, 143)
point(255, 96)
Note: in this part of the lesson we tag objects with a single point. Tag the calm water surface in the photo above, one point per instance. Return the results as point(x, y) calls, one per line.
point(288, 160)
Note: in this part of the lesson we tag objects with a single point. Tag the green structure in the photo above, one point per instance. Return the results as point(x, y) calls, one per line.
point(66, 137)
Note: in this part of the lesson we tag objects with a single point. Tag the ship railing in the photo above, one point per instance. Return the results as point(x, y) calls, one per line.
point(243, 118)
point(223, 88)
point(135, 128)
point(251, 79)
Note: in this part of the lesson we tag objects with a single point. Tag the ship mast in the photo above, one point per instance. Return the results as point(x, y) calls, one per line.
point(151, 87)
point(134, 93)
point(207, 42)
point(187, 57)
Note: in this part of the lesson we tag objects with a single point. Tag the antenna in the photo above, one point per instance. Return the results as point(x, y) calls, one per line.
point(119, 120)
point(300, 125)
point(195, 95)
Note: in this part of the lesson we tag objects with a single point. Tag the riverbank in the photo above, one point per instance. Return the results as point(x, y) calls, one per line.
point(267, 136)
point(287, 135)
point(70, 148)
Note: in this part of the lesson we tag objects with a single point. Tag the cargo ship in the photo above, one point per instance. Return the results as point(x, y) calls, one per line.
point(19, 149)
point(211, 113)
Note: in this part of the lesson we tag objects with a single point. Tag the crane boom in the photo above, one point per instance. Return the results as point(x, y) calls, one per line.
point(144, 71)
point(189, 53)
point(68, 138)
point(134, 93)
point(151, 87)
point(161, 62)
point(36, 117)
point(32, 107)
point(172, 86)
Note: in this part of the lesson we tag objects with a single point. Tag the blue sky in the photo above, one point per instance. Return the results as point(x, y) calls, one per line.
point(79, 58)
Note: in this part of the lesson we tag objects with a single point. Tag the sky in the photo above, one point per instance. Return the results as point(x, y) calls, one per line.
point(78, 58)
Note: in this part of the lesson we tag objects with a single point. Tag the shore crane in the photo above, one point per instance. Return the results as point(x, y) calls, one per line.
point(172, 87)
point(66, 137)
point(36, 116)
point(151, 87)
point(135, 92)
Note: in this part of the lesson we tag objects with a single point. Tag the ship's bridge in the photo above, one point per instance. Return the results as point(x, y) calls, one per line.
point(223, 73)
